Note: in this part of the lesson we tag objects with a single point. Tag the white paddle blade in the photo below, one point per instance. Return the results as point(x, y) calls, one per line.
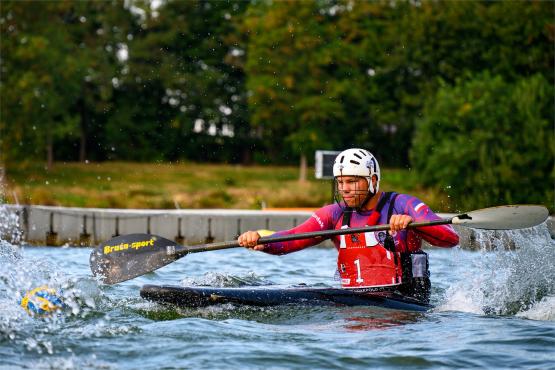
point(503, 217)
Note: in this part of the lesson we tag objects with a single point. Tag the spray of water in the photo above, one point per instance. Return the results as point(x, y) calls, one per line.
point(221, 280)
point(9, 257)
point(514, 274)
point(19, 274)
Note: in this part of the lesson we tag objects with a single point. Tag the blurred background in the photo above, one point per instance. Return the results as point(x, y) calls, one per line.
point(222, 104)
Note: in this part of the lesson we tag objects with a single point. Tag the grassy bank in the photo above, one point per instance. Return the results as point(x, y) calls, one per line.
point(182, 185)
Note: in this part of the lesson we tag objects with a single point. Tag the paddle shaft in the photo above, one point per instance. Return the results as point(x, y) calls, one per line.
point(314, 234)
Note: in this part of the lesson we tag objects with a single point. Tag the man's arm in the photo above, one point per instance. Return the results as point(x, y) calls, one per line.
point(322, 219)
point(439, 235)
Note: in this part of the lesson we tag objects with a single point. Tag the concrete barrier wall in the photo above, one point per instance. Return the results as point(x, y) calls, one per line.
point(43, 225)
point(91, 226)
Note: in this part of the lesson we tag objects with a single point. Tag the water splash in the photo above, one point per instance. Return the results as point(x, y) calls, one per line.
point(19, 274)
point(514, 275)
point(10, 232)
point(13, 317)
point(542, 310)
point(223, 280)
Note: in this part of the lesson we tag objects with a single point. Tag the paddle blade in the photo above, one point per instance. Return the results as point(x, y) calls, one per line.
point(128, 256)
point(503, 217)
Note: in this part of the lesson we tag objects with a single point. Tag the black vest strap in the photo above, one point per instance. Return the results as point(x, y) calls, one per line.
point(389, 244)
point(391, 205)
point(383, 201)
point(347, 213)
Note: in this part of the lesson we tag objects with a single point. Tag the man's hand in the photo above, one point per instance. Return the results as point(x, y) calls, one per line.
point(399, 222)
point(249, 240)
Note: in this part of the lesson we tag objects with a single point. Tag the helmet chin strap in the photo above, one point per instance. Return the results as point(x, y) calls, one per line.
point(368, 196)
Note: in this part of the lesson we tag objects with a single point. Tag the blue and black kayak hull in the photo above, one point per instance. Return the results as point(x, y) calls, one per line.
point(272, 296)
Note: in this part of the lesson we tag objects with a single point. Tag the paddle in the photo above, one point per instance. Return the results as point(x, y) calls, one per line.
point(128, 256)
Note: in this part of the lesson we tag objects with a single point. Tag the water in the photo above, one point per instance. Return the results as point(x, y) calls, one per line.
point(493, 310)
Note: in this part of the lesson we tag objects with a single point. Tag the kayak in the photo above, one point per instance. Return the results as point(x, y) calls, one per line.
point(201, 296)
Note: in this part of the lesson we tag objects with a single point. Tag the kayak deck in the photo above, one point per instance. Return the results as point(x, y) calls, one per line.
point(271, 296)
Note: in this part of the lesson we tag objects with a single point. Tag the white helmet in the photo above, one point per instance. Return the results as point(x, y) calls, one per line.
point(358, 162)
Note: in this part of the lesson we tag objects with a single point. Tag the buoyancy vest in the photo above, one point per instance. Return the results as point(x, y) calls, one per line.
point(367, 261)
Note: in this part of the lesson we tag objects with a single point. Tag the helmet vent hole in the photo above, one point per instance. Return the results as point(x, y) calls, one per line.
point(353, 161)
point(341, 160)
point(358, 156)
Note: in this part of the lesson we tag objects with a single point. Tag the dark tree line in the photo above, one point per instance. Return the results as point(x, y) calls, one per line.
point(270, 82)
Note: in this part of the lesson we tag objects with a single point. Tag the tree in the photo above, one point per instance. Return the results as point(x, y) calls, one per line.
point(185, 59)
point(39, 79)
point(307, 68)
point(437, 42)
point(486, 141)
point(59, 64)
point(100, 32)
point(318, 75)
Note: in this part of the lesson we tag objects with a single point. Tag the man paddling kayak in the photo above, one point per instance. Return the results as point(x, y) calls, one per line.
point(381, 260)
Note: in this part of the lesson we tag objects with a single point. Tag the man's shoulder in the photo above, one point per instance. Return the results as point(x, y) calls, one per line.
point(330, 208)
point(333, 211)
point(404, 200)
point(405, 197)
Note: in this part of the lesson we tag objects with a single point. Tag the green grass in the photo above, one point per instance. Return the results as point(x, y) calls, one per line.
point(184, 185)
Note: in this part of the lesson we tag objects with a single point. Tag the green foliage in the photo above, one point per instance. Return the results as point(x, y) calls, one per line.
point(184, 63)
point(307, 71)
point(486, 141)
point(124, 80)
point(58, 67)
point(39, 80)
point(433, 41)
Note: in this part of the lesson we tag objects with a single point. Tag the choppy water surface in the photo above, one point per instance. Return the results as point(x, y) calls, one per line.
point(493, 310)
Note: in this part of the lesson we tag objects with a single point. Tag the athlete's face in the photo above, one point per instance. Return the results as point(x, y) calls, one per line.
point(353, 189)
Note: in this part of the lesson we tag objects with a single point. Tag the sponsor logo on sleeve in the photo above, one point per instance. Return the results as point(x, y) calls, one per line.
point(315, 216)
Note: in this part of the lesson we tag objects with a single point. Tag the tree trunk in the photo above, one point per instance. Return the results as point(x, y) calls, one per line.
point(83, 136)
point(302, 171)
point(246, 156)
point(49, 150)
point(2, 176)
point(82, 150)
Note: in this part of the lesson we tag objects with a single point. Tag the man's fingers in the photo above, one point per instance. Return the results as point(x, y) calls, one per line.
point(248, 239)
point(399, 222)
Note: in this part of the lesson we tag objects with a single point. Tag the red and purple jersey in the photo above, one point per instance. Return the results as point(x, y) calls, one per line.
point(408, 240)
